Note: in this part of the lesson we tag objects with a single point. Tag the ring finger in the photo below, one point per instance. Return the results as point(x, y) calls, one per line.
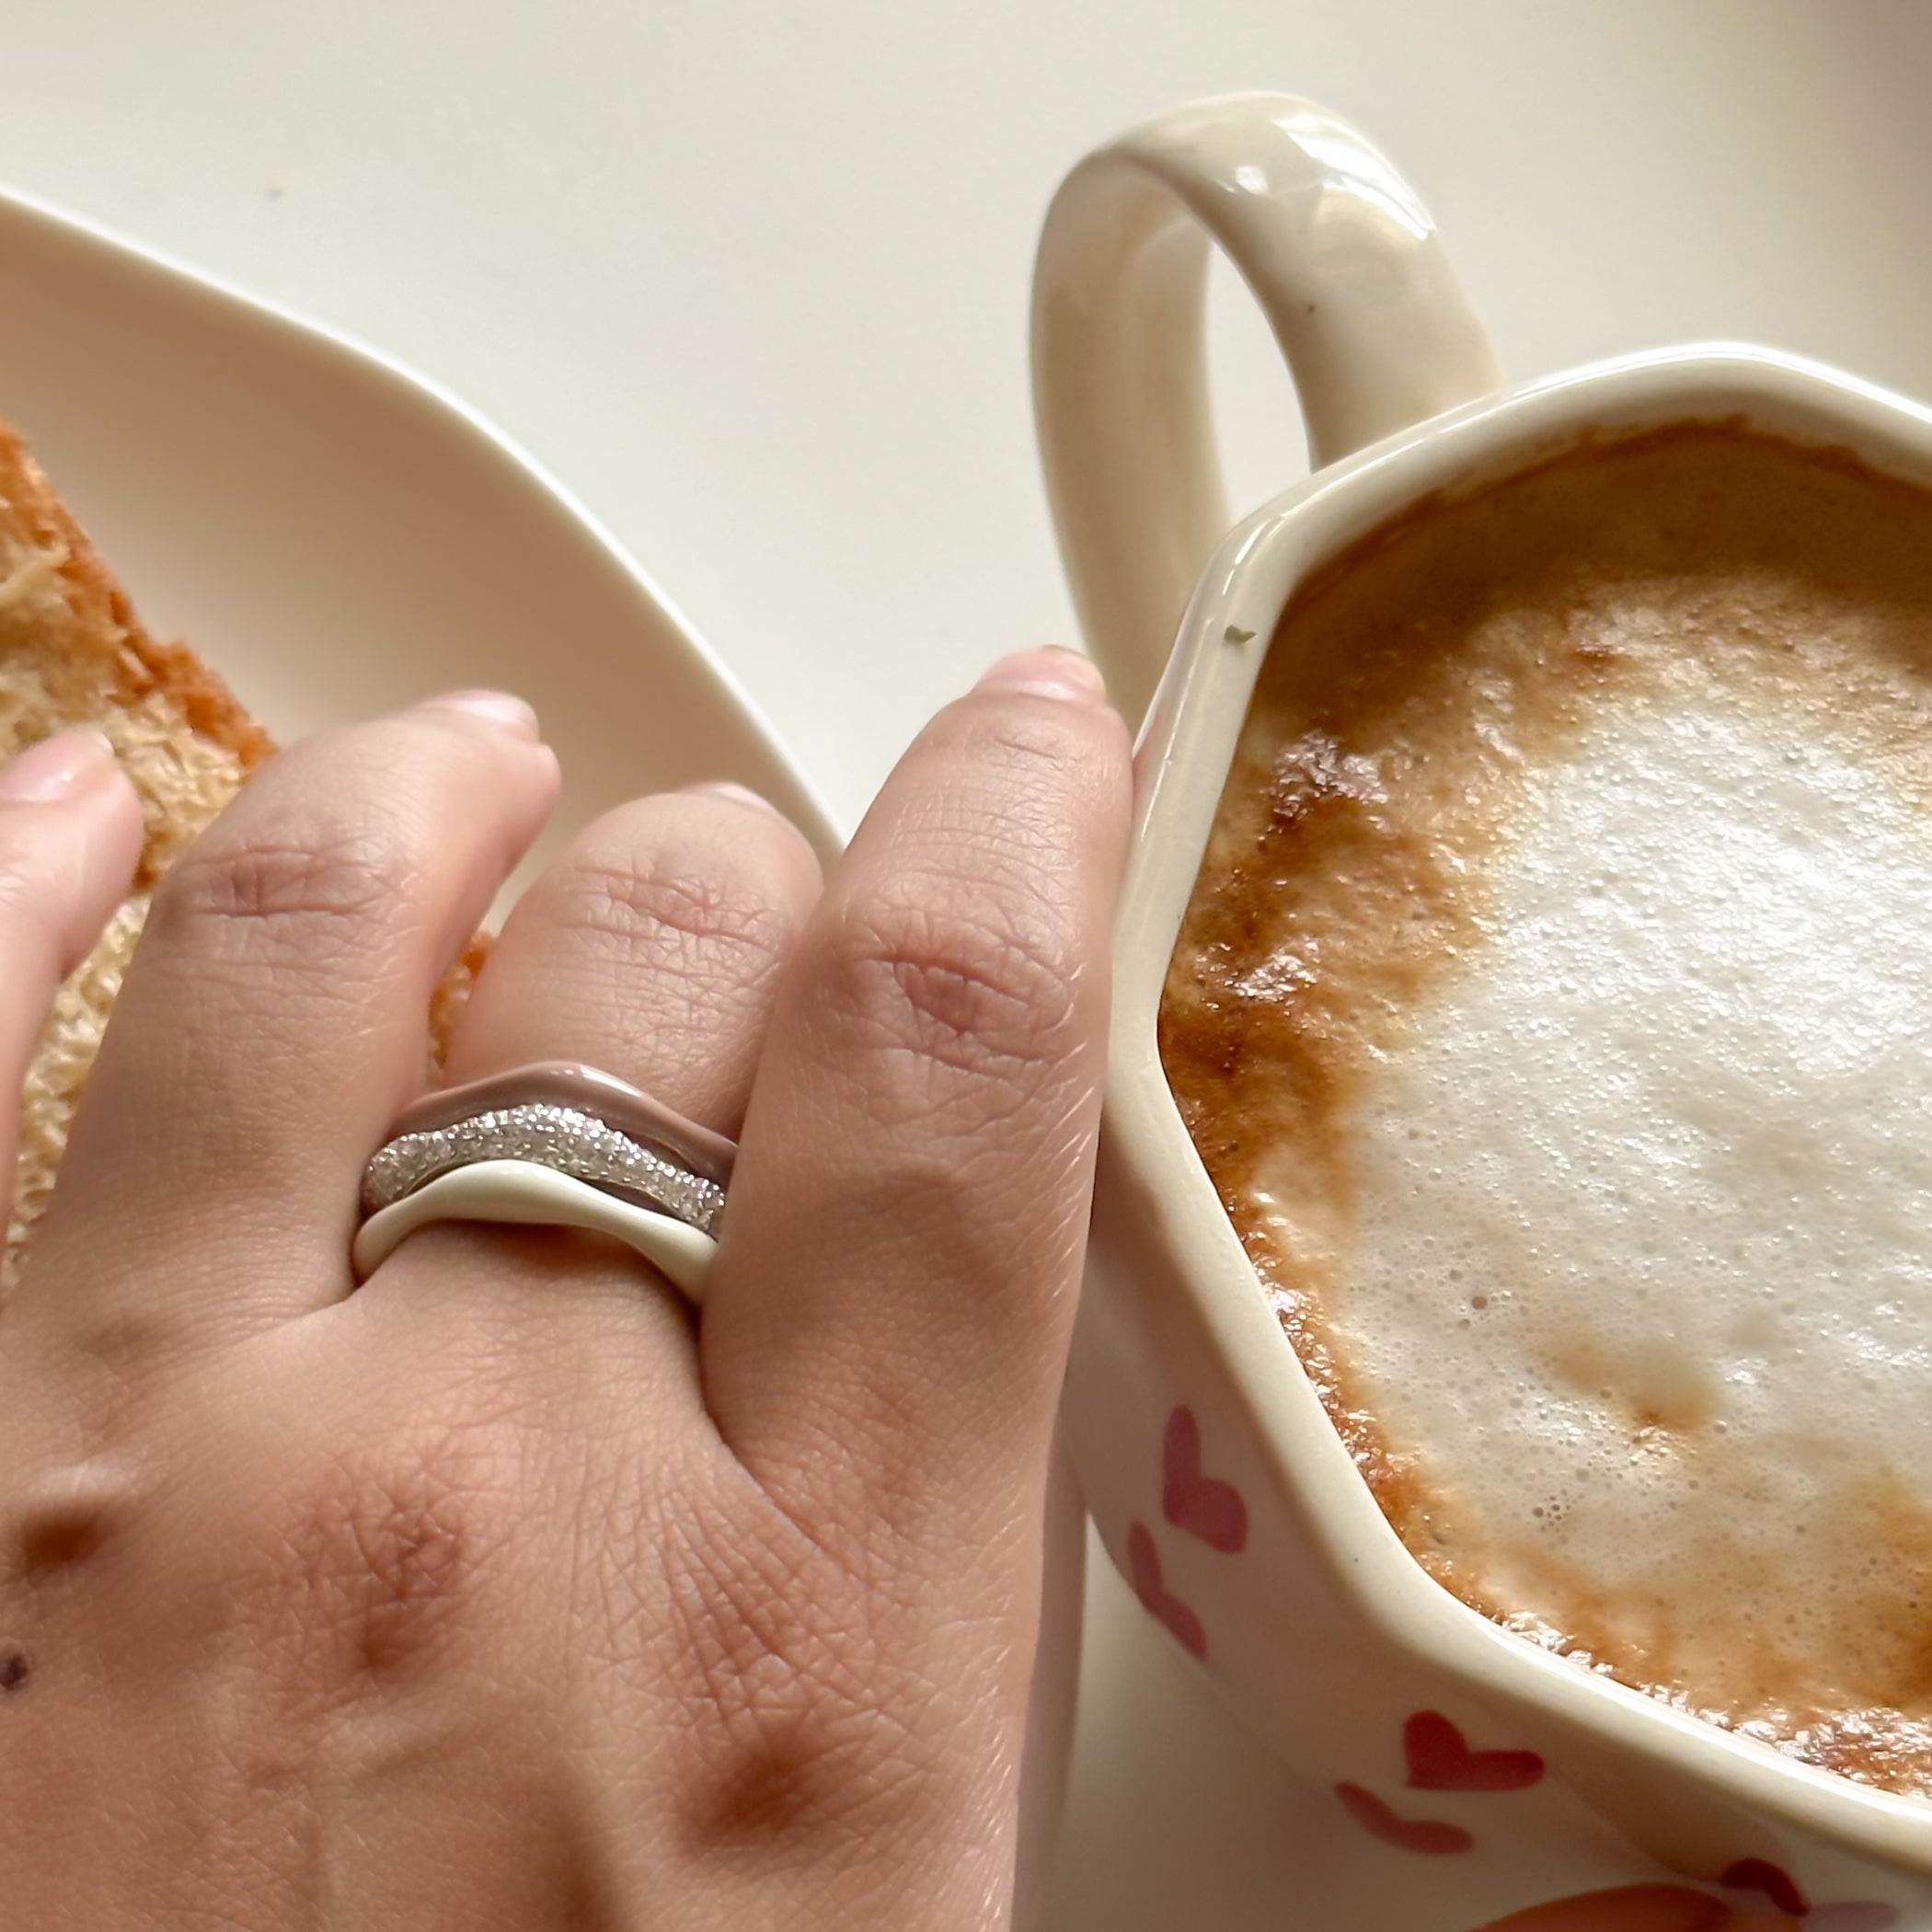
point(652, 950)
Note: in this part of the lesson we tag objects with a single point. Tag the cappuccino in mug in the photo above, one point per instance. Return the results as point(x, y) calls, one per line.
point(1553, 1013)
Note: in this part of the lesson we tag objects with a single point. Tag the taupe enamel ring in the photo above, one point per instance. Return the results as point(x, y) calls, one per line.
point(554, 1144)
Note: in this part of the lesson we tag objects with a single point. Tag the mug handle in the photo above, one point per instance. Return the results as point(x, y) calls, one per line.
point(1351, 274)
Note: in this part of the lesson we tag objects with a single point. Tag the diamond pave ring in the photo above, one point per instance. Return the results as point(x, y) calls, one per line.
point(555, 1143)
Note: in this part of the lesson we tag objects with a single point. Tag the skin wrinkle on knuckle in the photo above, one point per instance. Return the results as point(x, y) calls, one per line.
point(794, 1711)
point(312, 898)
point(360, 1567)
point(1054, 742)
point(953, 991)
point(984, 1147)
point(669, 918)
point(1042, 745)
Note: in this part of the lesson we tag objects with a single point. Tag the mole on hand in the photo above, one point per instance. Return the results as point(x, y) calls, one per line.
point(14, 1669)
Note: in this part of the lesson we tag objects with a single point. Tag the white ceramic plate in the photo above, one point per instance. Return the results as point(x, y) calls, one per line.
point(337, 535)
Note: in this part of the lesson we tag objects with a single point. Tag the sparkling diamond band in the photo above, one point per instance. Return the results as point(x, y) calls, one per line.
point(564, 1138)
point(584, 1089)
point(555, 1143)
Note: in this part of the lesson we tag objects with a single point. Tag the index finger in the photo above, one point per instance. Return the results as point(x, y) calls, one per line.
point(70, 834)
point(886, 1326)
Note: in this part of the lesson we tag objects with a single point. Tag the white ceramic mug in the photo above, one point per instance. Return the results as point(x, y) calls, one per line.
point(1215, 1479)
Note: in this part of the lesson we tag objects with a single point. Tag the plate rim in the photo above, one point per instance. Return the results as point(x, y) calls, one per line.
point(490, 441)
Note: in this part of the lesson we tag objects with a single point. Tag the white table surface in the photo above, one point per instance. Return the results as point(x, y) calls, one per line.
point(752, 278)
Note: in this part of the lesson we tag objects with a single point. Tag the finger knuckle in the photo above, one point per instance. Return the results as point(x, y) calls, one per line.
point(361, 1565)
point(948, 988)
point(793, 1709)
point(1028, 744)
point(319, 886)
point(717, 938)
point(670, 908)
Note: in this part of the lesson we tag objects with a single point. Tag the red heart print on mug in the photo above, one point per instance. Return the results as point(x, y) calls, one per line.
point(1772, 1881)
point(1439, 1760)
point(1436, 1836)
point(1190, 1499)
point(1774, 1884)
point(1156, 1599)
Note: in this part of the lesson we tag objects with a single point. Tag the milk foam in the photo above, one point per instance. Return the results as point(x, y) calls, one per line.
point(1642, 1262)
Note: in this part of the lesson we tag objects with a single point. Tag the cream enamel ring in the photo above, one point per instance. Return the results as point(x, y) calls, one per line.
point(522, 1193)
point(555, 1143)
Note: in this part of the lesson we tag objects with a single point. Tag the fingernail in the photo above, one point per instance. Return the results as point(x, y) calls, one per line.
point(738, 794)
point(57, 768)
point(1051, 671)
point(498, 707)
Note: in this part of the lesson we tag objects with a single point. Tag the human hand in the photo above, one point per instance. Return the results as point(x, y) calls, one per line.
point(503, 1591)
